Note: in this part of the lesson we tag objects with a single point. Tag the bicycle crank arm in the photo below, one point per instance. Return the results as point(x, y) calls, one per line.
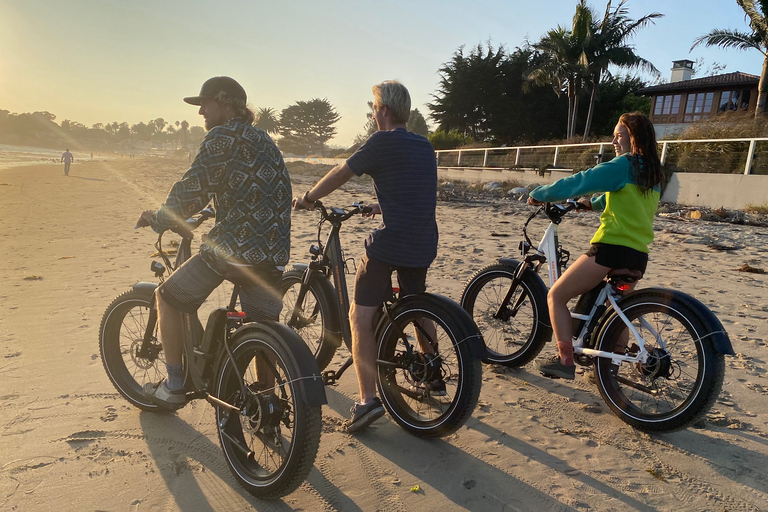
point(220, 403)
point(237, 444)
point(637, 386)
point(330, 377)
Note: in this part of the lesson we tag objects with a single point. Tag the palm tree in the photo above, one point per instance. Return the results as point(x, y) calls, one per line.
point(266, 119)
point(607, 44)
point(565, 65)
point(757, 14)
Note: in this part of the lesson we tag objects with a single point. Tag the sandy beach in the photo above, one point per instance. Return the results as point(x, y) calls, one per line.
point(69, 442)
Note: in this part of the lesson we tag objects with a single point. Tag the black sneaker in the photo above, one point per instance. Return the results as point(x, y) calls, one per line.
point(364, 414)
point(552, 367)
point(162, 396)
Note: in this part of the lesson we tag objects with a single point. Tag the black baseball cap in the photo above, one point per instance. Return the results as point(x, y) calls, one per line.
point(214, 86)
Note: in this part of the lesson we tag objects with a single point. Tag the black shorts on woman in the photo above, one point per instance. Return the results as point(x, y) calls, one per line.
point(618, 256)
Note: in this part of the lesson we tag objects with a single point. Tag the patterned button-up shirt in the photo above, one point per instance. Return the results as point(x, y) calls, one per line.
point(241, 169)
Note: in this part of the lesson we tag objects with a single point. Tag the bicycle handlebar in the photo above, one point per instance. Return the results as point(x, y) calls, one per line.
point(192, 223)
point(554, 212)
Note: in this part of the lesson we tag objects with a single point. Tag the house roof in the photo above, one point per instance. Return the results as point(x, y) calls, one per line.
point(737, 78)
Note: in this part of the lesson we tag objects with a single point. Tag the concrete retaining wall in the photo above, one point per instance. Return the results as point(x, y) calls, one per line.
point(732, 191)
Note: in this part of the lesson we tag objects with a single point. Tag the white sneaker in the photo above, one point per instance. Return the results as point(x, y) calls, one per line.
point(161, 395)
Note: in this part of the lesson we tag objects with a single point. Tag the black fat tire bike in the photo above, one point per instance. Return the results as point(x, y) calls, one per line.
point(316, 305)
point(268, 419)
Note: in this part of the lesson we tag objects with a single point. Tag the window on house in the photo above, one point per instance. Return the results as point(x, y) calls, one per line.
point(698, 106)
point(666, 105)
point(734, 100)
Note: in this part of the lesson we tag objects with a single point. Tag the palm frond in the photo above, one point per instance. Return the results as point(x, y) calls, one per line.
point(727, 38)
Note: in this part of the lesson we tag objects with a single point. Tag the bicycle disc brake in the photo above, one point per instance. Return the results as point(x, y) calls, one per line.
point(659, 364)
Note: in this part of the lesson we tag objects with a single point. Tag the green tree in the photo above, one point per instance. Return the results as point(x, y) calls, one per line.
point(607, 44)
point(471, 87)
point(306, 126)
point(757, 16)
point(417, 124)
point(266, 119)
point(369, 129)
point(564, 67)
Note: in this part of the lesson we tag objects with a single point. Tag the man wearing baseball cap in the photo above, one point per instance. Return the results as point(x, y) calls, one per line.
point(239, 167)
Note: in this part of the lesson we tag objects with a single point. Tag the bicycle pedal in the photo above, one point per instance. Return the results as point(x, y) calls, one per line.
point(329, 377)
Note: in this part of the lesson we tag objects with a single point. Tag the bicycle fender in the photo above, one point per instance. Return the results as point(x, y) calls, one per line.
point(311, 385)
point(718, 337)
point(509, 262)
point(301, 267)
point(144, 286)
point(450, 310)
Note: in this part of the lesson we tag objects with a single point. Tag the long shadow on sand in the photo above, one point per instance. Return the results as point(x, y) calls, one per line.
point(86, 179)
point(450, 470)
point(733, 461)
point(179, 442)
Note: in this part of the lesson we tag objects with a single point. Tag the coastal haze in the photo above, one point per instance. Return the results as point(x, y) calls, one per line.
point(105, 61)
point(69, 441)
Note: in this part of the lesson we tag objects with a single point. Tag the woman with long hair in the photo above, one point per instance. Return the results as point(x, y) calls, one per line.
point(631, 184)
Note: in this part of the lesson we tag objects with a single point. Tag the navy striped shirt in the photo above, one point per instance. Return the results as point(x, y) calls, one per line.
point(404, 172)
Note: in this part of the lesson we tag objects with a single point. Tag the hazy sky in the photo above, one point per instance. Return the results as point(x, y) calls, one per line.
point(133, 60)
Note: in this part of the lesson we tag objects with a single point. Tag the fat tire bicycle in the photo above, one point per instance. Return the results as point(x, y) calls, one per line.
point(318, 310)
point(658, 354)
point(260, 377)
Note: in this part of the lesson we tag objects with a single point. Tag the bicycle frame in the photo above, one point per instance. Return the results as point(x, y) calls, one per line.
point(330, 258)
point(547, 251)
point(197, 359)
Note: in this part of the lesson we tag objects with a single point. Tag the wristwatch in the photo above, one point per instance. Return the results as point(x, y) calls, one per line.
point(306, 198)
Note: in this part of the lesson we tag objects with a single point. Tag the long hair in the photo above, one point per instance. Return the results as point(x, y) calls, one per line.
point(646, 164)
point(237, 105)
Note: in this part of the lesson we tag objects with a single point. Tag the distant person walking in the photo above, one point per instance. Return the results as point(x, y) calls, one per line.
point(67, 158)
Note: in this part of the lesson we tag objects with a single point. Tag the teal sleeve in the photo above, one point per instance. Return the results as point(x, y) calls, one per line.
point(598, 203)
point(604, 177)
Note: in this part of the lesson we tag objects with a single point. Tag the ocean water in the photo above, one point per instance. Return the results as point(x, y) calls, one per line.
point(17, 156)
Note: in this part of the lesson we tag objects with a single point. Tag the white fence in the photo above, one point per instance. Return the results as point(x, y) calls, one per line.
point(723, 156)
point(731, 173)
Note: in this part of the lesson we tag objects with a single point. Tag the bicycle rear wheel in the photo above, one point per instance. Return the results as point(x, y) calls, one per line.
point(516, 336)
point(684, 373)
point(271, 444)
point(405, 374)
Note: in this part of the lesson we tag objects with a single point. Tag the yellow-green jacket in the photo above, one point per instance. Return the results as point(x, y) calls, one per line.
point(627, 217)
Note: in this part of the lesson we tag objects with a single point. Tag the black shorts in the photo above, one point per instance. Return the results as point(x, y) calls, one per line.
point(188, 287)
point(373, 281)
point(618, 256)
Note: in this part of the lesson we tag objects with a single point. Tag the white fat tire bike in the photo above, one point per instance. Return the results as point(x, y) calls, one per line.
point(658, 354)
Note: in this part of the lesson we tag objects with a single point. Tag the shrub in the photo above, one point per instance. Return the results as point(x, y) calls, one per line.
point(449, 140)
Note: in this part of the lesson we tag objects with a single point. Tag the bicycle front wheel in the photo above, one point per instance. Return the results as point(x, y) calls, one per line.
point(316, 319)
point(429, 395)
point(271, 443)
point(121, 336)
point(683, 375)
point(516, 335)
